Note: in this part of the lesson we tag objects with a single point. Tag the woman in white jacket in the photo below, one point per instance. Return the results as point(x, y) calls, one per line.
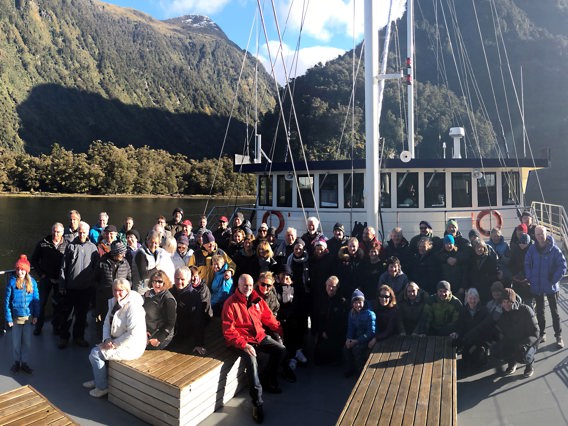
point(124, 335)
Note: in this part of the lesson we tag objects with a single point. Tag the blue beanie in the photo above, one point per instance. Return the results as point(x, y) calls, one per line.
point(449, 239)
point(357, 294)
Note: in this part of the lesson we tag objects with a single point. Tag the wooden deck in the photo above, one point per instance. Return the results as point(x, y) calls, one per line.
point(164, 387)
point(26, 406)
point(406, 381)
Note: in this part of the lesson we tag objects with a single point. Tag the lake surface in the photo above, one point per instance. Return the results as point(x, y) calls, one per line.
point(26, 220)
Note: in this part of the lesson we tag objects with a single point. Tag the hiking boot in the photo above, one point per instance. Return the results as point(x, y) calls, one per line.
point(15, 368)
point(89, 385)
point(258, 413)
point(511, 369)
point(529, 370)
point(98, 393)
point(559, 342)
point(26, 368)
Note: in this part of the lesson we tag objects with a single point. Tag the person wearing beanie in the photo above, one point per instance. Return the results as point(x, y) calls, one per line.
point(202, 258)
point(240, 223)
point(394, 277)
point(360, 331)
point(545, 265)
point(442, 311)
point(453, 265)
point(520, 334)
point(473, 235)
point(425, 229)
point(223, 233)
point(339, 240)
point(111, 266)
point(107, 237)
point(183, 253)
point(494, 305)
point(21, 307)
point(453, 230)
point(175, 224)
point(46, 260)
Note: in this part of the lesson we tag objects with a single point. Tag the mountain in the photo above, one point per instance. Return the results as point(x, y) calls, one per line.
point(74, 71)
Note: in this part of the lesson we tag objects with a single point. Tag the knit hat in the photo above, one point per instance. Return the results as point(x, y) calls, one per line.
point(452, 222)
point(23, 263)
point(285, 269)
point(263, 226)
point(187, 222)
point(223, 219)
point(339, 226)
point(117, 248)
point(182, 239)
point(525, 239)
point(208, 237)
point(135, 233)
point(320, 242)
point(425, 223)
point(240, 216)
point(449, 239)
point(509, 294)
point(272, 231)
point(527, 213)
point(111, 228)
point(523, 227)
point(177, 210)
point(300, 242)
point(473, 233)
point(357, 294)
point(443, 285)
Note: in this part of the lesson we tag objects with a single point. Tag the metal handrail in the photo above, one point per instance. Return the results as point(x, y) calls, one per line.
point(554, 217)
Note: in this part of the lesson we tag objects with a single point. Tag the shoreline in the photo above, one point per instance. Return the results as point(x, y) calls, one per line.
point(177, 196)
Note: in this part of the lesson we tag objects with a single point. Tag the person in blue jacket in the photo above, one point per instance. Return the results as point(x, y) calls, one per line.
point(22, 311)
point(545, 265)
point(360, 330)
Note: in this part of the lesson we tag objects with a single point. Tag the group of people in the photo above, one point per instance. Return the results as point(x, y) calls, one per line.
point(354, 291)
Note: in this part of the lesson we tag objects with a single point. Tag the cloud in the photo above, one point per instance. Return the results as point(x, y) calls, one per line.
point(182, 7)
point(325, 18)
point(295, 64)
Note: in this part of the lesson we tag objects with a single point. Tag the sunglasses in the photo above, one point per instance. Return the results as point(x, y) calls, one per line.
point(423, 228)
point(267, 285)
point(385, 296)
point(158, 281)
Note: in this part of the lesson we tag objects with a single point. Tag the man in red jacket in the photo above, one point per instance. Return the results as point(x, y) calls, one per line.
point(244, 316)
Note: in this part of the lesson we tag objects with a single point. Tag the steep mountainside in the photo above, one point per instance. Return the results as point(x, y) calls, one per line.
point(74, 71)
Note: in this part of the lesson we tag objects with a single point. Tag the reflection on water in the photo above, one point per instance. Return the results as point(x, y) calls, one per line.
point(26, 220)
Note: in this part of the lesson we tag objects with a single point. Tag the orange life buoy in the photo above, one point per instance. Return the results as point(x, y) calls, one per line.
point(482, 214)
point(278, 215)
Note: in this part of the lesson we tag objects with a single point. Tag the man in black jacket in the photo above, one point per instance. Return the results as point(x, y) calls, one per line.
point(519, 328)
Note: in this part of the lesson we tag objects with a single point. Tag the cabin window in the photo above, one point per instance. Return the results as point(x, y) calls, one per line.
point(461, 189)
point(353, 185)
point(407, 190)
point(305, 191)
point(511, 188)
point(487, 190)
point(329, 191)
point(435, 189)
point(283, 192)
point(265, 190)
point(386, 190)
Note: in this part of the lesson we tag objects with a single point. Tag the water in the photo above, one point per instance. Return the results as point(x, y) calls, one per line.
point(26, 220)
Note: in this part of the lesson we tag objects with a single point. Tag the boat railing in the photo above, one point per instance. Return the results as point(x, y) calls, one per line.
point(230, 210)
point(555, 219)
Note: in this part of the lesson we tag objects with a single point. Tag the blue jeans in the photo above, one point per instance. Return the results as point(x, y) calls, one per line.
point(21, 341)
point(98, 362)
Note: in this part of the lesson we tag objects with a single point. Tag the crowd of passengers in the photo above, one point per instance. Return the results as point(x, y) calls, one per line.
point(347, 292)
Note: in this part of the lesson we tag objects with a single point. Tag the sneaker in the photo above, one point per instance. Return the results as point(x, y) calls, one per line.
point(511, 369)
point(559, 342)
point(98, 393)
point(15, 368)
point(301, 357)
point(89, 385)
point(26, 368)
point(81, 343)
point(62, 343)
point(542, 338)
point(293, 363)
point(258, 413)
point(529, 371)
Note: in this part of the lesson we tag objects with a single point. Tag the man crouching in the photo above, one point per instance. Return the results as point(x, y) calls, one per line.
point(244, 316)
point(519, 327)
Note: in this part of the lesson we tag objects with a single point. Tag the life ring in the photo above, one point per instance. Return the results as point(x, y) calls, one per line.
point(482, 214)
point(278, 215)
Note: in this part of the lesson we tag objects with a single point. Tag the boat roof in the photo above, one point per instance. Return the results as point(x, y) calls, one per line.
point(396, 163)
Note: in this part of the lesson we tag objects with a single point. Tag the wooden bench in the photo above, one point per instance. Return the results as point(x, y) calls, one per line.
point(164, 387)
point(406, 381)
point(26, 406)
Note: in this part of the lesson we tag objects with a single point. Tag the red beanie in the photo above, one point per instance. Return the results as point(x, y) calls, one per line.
point(523, 227)
point(23, 263)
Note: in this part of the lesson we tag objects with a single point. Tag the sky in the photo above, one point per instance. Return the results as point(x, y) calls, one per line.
point(329, 27)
